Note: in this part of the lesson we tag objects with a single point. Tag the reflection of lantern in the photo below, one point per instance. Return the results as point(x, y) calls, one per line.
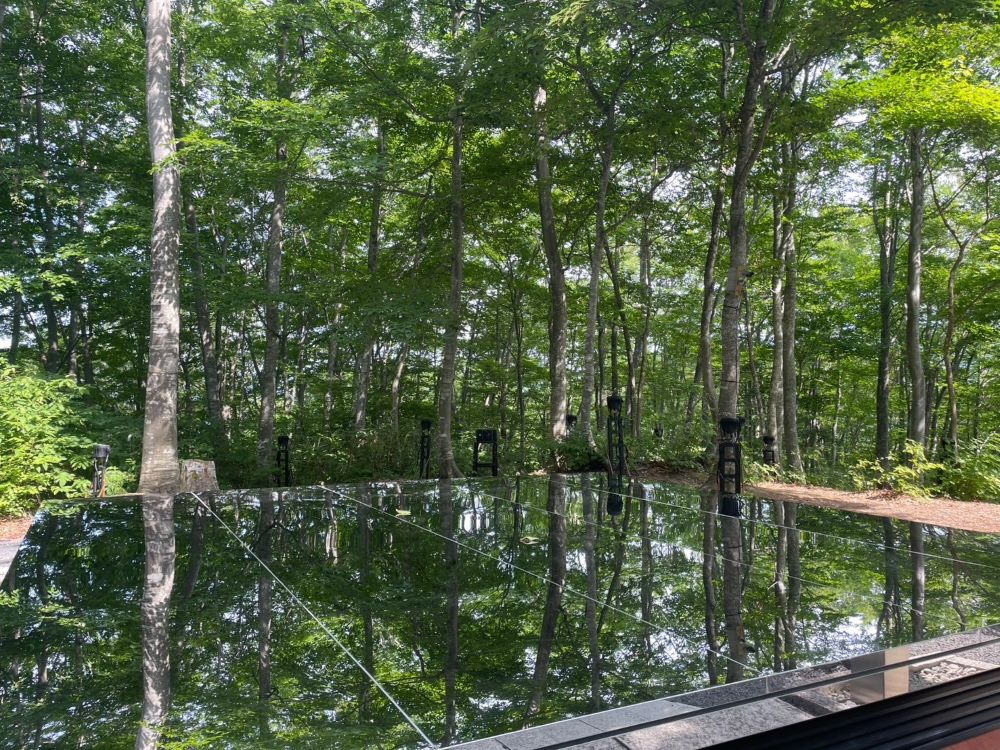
point(769, 457)
point(101, 454)
point(730, 466)
point(615, 501)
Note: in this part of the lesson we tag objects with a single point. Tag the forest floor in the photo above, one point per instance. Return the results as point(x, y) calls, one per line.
point(957, 514)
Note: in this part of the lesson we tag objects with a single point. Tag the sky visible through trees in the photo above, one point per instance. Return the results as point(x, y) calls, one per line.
point(496, 214)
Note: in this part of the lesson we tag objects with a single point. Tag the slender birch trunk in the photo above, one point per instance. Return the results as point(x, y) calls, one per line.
point(558, 316)
point(159, 470)
point(917, 430)
point(447, 467)
point(362, 385)
point(272, 282)
point(789, 163)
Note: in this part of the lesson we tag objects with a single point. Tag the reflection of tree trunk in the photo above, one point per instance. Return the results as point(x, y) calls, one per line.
point(451, 651)
point(891, 599)
point(956, 568)
point(590, 562)
point(709, 506)
point(368, 653)
point(780, 592)
point(732, 595)
point(265, 589)
point(918, 590)
point(794, 581)
point(196, 553)
point(332, 533)
point(158, 533)
point(557, 576)
point(646, 581)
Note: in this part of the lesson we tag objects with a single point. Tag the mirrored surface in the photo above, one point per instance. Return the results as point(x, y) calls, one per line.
point(378, 616)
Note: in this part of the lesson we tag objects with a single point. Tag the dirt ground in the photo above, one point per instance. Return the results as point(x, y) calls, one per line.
point(14, 529)
point(958, 514)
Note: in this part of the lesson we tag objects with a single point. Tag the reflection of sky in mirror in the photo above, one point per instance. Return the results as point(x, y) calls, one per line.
point(476, 609)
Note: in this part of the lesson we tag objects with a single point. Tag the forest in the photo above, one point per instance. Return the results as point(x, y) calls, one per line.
point(495, 214)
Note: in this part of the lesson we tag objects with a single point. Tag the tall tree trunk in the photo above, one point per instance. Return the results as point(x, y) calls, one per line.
point(590, 363)
point(272, 281)
point(887, 230)
point(209, 359)
point(446, 387)
point(362, 385)
point(15, 327)
point(558, 316)
point(776, 399)
point(709, 295)
point(397, 386)
point(159, 470)
point(917, 431)
point(638, 375)
point(789, 164)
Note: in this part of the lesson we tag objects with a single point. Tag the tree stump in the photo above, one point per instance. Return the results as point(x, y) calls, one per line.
point(198, 476)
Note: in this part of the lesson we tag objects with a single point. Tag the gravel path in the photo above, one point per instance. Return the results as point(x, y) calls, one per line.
point(958, 514)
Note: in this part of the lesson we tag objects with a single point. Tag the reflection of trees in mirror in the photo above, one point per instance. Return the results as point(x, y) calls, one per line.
point(556, 505)
point(158, 534)
point(470, 610)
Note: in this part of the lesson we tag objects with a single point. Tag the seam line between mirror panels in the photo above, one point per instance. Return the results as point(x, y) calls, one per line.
point(322, 625)
point(546, 579)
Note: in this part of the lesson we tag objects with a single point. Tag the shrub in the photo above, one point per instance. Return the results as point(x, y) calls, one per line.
point(976, 473)
point(908, 471)
point(44, 449)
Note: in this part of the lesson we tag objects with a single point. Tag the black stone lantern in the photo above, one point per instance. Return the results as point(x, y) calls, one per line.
point(616, 435)
point(730, 466)
point(770, 457)
point(101, 454)
point(425, 448)
point(570, 422)
point(282, 462)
